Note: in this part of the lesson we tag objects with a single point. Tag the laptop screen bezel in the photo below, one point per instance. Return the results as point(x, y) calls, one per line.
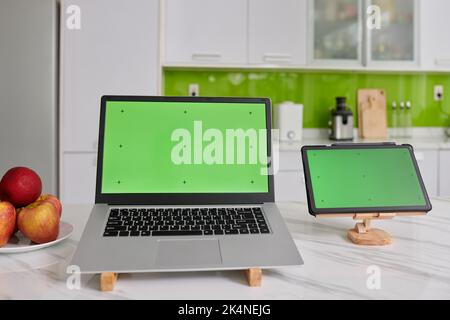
point(181, 198)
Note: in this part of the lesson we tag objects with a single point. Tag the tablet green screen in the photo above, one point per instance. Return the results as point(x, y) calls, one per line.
point(143, 153)
point(359, 178)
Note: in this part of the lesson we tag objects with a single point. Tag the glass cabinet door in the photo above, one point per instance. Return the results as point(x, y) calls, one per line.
point(395, 38)
point(336, 28)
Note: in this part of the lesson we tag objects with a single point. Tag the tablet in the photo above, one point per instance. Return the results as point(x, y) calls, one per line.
point(363, 178)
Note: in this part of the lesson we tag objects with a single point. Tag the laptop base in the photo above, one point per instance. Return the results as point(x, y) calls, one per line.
point(108, 279)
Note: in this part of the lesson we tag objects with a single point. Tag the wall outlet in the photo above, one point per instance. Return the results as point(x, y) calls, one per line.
point(438, 92)
point(194, 90)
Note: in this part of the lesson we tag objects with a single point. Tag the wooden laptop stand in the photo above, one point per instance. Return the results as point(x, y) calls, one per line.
point(108, 279)
point(361, 234)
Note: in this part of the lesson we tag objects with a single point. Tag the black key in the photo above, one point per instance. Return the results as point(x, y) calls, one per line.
point(216, 227)
point(200, 223)
point(218, 231)
point(124, 233)
point(247, 216)
point(134, 233)
point(239, 221)
point(254, 231)
point(243, 231)
point(145, 233)
point(164, 228)
point(231, 232)
point(207, 232)
point(256, 210)
point(143, 228)
point(116, 228)
point(170, 223)
point(177, 233)
point(114, 223)
point(111, 218)
point(250, 221)
point(110, 233)
point(226, 227)
point(184, 228)
point(153, 228)
point(132, 228)
point(172, 228)
point(195, 228)
point(252, 225)
point(264, 230)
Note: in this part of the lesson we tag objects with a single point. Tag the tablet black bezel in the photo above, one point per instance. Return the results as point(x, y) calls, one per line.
point(310, 196)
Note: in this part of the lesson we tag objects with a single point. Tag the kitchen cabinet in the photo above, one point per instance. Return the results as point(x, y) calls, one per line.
point(290, 186)
point(428, 164)
point(344, 33)
point(277, 32)
point(205, 31)
point(396, 39)
point(114, 50)
point(79, 177)
point(435, 41)
point(336, 32)
point(444, 173)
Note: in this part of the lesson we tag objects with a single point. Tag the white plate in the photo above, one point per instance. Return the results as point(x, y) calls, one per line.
point(19, 243)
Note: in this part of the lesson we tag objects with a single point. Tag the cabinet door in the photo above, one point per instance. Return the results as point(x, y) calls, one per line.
point(206, 31)
point(336, 32)
point(290, 186)
point(434, 38)
point(277, 31)
point(428, 165)
point(444, 173)
point(114, 51)
point(79, 174)
point(395, 38)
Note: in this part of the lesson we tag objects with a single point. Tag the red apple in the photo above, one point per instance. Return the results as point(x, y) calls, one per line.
point(20, 186)
point(7, 221)
point(39, 222)
point(53, 200)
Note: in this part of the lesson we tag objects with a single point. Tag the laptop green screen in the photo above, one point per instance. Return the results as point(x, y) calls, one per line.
point(364, 178)
point(184, 147)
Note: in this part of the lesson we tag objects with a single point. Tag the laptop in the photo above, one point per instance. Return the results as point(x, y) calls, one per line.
point(184, 184)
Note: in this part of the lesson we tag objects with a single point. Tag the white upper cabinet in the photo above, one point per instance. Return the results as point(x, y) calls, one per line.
point(277, 32)
point(372, 33)
point(108, 47)
point(205, 31)
point(394, 39)
point(435, 37)
point(335, 36)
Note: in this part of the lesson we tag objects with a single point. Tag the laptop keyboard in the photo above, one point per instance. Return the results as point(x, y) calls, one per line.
point(145, 222)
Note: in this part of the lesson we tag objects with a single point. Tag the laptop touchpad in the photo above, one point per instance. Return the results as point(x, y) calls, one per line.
point(187, 252)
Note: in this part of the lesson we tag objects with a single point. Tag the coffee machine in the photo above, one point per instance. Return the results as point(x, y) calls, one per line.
point(341, 121)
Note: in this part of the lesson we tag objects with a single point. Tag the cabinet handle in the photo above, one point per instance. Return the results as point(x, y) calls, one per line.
point(442, 62)
point(206, 56)
point(277, 57)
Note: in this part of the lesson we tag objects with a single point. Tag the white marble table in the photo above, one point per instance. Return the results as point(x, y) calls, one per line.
point(416, 266)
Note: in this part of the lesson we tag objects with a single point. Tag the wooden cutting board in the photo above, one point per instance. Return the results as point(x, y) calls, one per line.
point(372, 117)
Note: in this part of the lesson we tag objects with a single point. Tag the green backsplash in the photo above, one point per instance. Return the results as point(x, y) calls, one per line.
point(317, 90)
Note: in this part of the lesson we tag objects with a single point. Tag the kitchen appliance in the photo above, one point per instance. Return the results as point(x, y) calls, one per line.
point(289, 121)
point(29, 87)
point(341, 121)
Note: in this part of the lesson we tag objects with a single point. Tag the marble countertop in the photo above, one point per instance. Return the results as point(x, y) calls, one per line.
point(416, 266)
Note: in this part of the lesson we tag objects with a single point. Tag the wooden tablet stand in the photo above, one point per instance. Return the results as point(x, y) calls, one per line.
point(361, 234)
point(108, 279)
